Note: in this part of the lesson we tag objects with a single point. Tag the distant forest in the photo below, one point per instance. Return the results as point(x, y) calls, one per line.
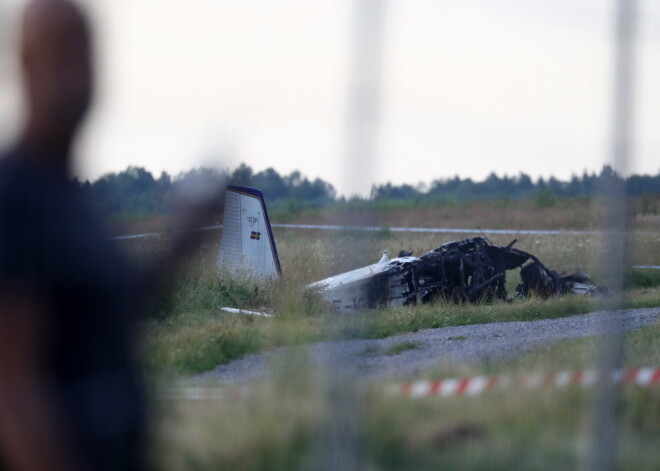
point(135, 191)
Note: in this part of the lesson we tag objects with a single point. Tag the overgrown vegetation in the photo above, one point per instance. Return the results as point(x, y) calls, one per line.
point(192, 343)
point(400, 347)
point(188, 333)
point(286, 421)
point(284, 424)
point(642, 278)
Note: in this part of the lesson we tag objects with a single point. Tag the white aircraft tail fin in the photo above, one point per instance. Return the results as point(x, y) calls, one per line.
point(247, 244)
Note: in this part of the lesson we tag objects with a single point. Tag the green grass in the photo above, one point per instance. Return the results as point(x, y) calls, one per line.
point(642, 278)
point(540, 429)
point(282, 426)
point(286, 422)
point(188, 333)
point(401, 347)
point(196, 341)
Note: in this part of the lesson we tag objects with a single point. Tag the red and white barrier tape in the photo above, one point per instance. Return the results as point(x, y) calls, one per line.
point(476, 385)
point(452, 387)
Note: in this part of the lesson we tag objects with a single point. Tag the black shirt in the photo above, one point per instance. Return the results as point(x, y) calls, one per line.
point(51, 242)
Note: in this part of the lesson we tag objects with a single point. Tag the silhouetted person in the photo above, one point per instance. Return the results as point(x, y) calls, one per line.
point(70, 394)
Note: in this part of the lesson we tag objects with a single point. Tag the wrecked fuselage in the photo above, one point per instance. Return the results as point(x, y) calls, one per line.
point(469, 270)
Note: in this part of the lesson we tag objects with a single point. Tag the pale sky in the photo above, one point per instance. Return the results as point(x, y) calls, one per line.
point(468, 87)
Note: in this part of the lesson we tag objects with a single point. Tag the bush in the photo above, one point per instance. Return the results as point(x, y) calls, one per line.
point(545, 198)
point(641, 278)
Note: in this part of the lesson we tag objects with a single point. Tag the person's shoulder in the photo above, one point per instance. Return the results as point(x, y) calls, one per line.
point(19, 173)
point(12, 174)
point(29, 192)
point(8, 163)
point(12, 165)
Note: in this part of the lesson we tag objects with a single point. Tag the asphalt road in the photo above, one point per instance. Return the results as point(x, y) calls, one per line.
point(465, 344)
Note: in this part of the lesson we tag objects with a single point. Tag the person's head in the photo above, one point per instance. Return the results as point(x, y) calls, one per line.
point(57, 66)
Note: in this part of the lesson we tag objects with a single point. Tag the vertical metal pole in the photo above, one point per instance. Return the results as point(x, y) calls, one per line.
point(7, 73)
point(339, 444)
point(364, 94)
point(604, 417)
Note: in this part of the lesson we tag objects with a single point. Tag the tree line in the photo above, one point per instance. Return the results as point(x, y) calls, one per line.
point(135, 191)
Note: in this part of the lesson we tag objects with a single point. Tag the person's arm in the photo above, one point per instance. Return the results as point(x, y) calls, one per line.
point(185, 241)
point(33, 432)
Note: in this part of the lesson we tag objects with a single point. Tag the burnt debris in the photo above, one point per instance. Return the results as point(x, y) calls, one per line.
point(474, 270)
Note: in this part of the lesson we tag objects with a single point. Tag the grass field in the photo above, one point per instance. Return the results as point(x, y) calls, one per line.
point(293, 419)
point(284, 425)
point(188, 333)
point(530, 213)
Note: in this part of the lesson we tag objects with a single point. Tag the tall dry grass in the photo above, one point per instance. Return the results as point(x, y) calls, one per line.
point(281, 426)
point(188, 333)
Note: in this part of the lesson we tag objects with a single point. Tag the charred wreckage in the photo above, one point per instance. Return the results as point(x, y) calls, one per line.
point(469, 270)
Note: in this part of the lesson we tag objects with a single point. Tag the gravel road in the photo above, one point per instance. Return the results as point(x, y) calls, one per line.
point(465, 344)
